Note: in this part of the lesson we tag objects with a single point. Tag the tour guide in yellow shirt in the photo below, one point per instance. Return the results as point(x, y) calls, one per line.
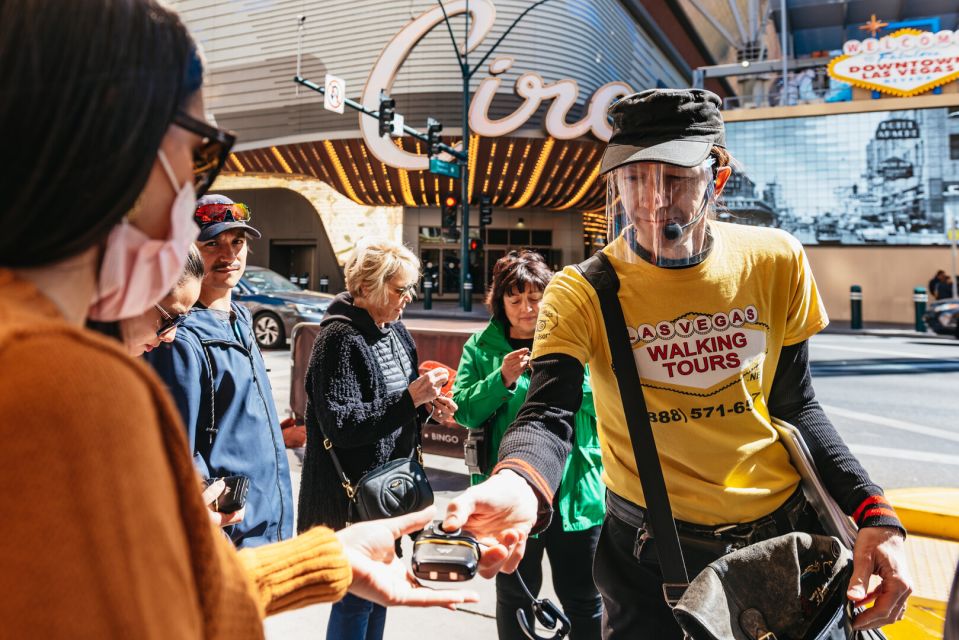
point(718, 316)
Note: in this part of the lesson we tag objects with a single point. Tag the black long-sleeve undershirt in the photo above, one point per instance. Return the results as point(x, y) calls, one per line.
point(542, 433)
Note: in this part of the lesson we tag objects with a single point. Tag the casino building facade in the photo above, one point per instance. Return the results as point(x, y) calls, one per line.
point(854, 148)
point(317, 180)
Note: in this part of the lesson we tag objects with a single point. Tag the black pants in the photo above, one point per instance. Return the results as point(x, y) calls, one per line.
point(632, 587)
point(571, 560)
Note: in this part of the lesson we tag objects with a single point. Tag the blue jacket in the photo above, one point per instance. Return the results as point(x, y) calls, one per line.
point(247, 439)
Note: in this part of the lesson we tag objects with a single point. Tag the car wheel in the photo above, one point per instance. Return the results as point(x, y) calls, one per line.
point(268, 331)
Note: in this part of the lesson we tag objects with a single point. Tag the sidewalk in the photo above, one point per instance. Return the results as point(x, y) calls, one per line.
point(930, 516)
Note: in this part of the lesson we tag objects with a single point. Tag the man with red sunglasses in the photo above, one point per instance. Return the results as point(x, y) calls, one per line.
point(217, 376)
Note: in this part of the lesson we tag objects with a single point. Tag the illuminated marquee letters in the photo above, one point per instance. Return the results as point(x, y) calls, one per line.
point(529, 86)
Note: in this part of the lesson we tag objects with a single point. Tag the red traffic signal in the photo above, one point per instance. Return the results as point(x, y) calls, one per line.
point(450, 209)
point(475, 245)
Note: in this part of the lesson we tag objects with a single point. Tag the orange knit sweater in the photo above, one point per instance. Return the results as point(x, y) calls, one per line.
point(104, 532)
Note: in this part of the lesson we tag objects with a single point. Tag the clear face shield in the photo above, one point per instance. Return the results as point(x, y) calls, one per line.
point(660, 210)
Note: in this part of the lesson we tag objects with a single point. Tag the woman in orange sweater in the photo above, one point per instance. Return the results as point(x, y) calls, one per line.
point(105, 533)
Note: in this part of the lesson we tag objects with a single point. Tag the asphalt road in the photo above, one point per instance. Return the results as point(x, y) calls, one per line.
point(893, 400)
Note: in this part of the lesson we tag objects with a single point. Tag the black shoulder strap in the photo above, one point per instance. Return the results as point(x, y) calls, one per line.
point(600, 274)
point(211, 428)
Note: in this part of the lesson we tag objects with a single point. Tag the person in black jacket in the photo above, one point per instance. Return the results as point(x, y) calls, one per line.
point(944, 288)
point(933, 287)
point(364, 399)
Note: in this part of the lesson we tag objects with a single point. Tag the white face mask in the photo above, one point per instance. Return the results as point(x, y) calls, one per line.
point(137, 270)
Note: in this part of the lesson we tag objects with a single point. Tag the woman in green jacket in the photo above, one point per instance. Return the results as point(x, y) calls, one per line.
point(490, 388)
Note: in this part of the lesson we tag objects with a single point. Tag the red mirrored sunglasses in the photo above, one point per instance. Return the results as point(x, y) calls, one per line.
point(215, 212)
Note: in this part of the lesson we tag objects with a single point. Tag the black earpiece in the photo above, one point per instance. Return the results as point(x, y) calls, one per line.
point(546, 613)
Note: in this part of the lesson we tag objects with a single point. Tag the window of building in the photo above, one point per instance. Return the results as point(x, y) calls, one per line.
point(519, 237)
point(954, 147)
point(497, 236)
point(541, 237)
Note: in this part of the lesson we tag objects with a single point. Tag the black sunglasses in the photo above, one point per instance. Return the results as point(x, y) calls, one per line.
point(210, 158)
point(169, 322)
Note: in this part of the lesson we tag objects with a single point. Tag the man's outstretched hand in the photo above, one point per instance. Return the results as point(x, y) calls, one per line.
point(499, 513)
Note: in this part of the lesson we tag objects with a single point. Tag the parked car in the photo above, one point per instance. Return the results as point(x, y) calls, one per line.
point(942, 316)
point(277, 305)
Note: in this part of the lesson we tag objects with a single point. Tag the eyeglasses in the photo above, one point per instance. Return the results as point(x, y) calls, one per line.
point(169, 322)
point(209, 159)
point(409, 290)
point(217, 212)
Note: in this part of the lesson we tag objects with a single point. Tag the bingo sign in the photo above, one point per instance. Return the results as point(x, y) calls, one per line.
point(904, 63)
point(334, 93)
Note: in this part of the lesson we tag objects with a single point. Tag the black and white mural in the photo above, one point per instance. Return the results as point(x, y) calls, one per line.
point(887, 177)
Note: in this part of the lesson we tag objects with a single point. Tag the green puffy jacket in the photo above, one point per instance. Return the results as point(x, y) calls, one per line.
point(480, 394)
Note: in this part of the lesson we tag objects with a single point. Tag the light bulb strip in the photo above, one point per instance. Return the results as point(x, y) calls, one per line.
point(537, 173)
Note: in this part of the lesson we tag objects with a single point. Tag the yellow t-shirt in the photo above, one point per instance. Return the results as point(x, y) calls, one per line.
point(707, 340)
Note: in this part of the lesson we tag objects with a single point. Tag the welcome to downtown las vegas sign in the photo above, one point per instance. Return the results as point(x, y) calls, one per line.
point(904, 63)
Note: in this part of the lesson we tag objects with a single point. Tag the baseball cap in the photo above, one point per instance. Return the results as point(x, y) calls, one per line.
point(676, 126)
point(225, 218)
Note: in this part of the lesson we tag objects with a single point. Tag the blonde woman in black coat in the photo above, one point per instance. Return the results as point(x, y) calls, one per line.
point(363, 394)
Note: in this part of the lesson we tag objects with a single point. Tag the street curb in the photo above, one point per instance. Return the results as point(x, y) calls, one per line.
point(927, 511)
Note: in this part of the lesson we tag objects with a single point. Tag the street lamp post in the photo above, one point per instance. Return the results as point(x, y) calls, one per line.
point(466, 301)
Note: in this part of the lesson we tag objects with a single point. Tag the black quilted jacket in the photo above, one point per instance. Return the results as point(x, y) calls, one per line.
point(356, 389)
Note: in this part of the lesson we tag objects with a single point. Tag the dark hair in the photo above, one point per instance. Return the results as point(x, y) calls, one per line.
point(193, 269)
point(513, 273)
point(88, 91)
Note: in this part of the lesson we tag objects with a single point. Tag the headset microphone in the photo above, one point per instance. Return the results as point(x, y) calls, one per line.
point(674, 230)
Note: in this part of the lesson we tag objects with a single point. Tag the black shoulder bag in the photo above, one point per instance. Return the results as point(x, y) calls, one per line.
point(788, 587)
point(392, 489)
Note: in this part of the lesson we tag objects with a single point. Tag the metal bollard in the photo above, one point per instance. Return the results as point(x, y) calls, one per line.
point(324, 284)
point(855, 307)
point(468, 295)
point(919, 299)
point(427, 293)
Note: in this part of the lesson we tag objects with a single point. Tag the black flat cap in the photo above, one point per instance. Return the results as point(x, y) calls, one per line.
point(676, 126)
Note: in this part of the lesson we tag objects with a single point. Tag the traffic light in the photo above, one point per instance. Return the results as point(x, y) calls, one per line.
point(451, 205)
point(476, 245)
point(386, 114)
point(486, 210)
point(433, 128)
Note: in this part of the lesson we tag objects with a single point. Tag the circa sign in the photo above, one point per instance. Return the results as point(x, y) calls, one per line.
point(529, 86)
point(904, 63)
